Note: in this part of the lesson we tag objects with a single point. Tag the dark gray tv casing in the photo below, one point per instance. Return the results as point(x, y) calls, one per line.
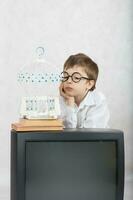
point(18, 153)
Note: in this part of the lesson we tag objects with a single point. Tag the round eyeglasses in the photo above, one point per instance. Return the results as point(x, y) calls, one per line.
point(76, 77)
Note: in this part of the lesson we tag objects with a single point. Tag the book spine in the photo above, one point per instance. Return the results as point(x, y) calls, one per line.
point(41, 122)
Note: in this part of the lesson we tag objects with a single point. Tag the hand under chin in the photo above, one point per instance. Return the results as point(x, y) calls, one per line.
point(69, 94)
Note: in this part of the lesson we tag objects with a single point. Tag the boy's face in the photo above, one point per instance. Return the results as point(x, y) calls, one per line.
point(79, 88)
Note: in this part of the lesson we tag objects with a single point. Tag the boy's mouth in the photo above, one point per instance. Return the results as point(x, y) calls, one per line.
point(68, 88)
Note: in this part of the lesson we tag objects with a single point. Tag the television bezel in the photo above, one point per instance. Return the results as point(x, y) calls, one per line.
point(18, 153)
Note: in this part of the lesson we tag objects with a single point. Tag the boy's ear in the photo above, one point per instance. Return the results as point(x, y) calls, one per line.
point(90, 84)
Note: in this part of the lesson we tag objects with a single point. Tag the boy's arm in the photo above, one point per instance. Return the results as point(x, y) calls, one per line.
point(68, 111)
point(68, 114)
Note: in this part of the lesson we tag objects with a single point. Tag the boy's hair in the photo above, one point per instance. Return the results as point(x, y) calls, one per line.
point(82, 60)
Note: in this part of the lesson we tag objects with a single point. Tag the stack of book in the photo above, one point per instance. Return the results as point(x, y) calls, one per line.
point(38, 125)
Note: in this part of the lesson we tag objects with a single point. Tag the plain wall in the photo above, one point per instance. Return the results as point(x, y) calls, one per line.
point(101, 29)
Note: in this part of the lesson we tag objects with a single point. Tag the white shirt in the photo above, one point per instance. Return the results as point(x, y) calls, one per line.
point(92, 112)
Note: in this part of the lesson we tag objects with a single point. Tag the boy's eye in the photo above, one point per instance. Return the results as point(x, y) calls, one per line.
point(64, 76)
point(76, 78)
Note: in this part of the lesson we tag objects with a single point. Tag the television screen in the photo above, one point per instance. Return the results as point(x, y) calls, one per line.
point(72, 164)
point(71, 170)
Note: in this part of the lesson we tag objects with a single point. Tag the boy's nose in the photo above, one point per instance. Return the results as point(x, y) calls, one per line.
point(69, 80)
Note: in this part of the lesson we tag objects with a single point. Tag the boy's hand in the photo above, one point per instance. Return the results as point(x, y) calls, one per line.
point(69, 100)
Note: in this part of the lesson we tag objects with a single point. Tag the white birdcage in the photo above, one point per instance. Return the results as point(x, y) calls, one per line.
point(39, 85)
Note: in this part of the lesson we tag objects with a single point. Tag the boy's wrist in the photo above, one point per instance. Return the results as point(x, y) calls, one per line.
point(70, 102)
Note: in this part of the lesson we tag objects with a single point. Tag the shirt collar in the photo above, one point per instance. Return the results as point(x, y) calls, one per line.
point(89, 100)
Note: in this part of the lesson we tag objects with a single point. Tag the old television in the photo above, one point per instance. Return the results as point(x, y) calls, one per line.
point(72, 164)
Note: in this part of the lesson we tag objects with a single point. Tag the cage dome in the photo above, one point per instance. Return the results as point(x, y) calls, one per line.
point(37, 79)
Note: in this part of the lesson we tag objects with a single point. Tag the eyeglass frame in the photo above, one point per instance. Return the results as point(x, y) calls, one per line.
point(82, 77)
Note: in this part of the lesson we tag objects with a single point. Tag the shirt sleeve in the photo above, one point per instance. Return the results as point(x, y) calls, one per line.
point(68, 115)
point(98, 116)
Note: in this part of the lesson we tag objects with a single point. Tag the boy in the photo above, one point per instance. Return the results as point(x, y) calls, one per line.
point(81, 105)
